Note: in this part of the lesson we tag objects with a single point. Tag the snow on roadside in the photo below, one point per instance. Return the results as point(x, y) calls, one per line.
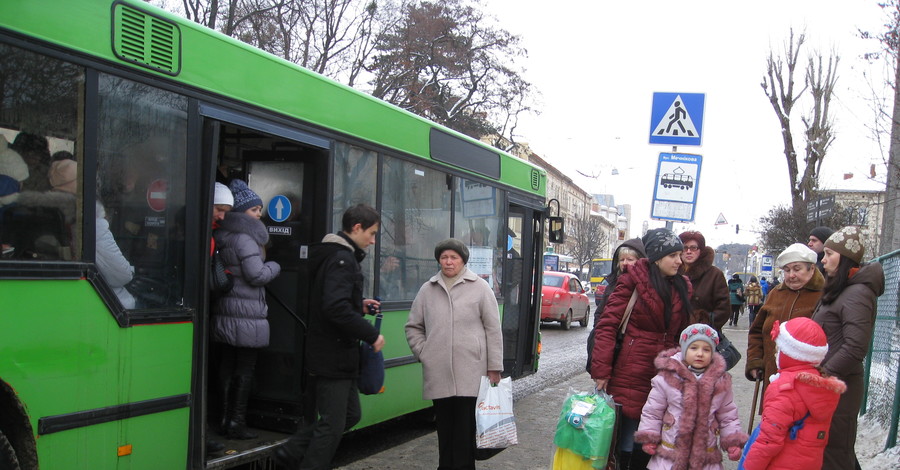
point(871, 437)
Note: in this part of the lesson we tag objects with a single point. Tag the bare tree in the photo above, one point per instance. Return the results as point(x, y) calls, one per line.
point(445, 62)
point(778, 83)
point(785, 225)
point(590, 240)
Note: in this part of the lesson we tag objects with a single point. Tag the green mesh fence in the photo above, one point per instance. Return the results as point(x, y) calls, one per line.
point(882, 382)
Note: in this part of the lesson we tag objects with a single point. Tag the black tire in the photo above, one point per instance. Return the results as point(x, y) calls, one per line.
point(8, 460)
point(567, 322)
point(587, 314)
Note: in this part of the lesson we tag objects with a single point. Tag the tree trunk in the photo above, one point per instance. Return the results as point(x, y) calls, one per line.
point(890, 229)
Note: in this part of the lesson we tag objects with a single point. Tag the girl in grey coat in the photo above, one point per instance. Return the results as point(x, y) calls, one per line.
point(239, 317)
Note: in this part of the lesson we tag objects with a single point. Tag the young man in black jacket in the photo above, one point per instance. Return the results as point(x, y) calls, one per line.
point(336, 326)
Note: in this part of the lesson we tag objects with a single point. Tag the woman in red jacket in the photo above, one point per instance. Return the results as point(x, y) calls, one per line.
point(661, 311)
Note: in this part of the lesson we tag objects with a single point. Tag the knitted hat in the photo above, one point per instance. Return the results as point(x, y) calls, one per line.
point(452, 244)
point(822, 233)
point(64, 176)
point(698, 331)
point(794, 253)
point(244, 197)
point(846, 242)
point(695, 236)
point(659, 242)
point(223, 195)
point(800, 341)
point(11, 163)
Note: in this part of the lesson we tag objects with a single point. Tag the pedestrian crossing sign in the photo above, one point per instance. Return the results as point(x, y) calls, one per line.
point(677, 118)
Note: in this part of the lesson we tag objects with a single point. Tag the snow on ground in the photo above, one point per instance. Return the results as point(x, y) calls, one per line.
point(871, 437)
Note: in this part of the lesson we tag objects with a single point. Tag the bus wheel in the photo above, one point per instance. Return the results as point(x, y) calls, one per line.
point(567, 322)
point(8, 460)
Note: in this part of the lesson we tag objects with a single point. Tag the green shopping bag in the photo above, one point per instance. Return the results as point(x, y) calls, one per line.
point(586, 426)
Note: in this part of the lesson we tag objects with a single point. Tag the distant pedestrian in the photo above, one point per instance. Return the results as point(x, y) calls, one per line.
point(690, 413)
point(736, 293)
point(799, 394)
point(847, 314)
point(753, 296)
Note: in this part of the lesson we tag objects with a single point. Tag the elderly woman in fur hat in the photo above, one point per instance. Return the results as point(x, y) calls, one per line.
point(454, 331)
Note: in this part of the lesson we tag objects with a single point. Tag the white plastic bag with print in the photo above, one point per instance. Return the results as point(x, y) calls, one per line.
point(495, 424)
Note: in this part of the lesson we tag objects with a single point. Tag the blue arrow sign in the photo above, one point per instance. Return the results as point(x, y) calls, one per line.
point(677, 118)
point(279, 208)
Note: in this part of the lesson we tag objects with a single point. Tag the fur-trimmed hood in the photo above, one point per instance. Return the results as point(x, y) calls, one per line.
point(239, 222)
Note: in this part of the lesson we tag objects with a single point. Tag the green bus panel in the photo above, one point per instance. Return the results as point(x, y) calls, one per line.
point(64, 353)
point(222, 65)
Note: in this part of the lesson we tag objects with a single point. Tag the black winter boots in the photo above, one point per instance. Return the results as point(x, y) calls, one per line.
point(234, 422)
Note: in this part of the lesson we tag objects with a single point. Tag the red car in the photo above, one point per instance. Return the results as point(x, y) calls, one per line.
point(564, 300)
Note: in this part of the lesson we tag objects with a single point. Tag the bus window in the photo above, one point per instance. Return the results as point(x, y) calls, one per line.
point(40, 114)
point(354, 183)
point(477, 224)
point(415, 216)
point(141, 182)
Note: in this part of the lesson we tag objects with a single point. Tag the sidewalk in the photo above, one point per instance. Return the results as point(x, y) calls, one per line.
point(536, 418)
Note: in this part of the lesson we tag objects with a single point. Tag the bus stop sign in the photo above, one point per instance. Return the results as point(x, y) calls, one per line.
point(675, 191)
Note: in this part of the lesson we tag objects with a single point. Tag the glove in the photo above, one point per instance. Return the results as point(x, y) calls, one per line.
point(649, 449)
point(734, 453)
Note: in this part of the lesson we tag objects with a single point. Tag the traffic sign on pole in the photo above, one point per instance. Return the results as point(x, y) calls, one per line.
point(677, 118)
point(675, 189)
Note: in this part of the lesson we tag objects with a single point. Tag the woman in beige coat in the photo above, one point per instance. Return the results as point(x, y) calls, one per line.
point(454, 331)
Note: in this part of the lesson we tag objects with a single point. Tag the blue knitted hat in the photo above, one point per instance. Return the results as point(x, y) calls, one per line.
point(244, 197)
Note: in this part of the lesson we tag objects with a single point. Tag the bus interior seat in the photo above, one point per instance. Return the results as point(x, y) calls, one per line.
point(35, 233)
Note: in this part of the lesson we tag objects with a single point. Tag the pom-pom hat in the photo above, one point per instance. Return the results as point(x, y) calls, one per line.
point(698, 332)
point(244, 197)
point(800, 341)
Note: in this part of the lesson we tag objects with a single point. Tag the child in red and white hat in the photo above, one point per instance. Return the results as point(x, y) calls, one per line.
point(799, 401)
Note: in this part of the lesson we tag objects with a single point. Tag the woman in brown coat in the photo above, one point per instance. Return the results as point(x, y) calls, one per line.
point(847, 314)
point(709, 302)
point(796, 297)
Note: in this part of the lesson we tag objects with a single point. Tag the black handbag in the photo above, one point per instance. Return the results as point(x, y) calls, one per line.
point(371, 365)
point(728, 351)
point(220, 280)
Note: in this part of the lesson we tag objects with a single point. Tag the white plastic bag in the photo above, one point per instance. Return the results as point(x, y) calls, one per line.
point(495, 424)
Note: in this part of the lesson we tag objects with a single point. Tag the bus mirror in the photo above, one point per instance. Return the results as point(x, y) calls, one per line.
point(557, 230)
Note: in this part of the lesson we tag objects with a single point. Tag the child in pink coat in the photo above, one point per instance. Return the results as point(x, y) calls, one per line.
point(690, 411)
point(799, 402)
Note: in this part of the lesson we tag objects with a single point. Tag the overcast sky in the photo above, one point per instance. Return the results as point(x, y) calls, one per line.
point(597, 64)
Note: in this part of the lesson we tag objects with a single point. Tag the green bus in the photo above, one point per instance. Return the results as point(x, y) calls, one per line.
point(118, 116)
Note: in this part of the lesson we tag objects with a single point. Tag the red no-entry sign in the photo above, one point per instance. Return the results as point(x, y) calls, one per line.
point(156, 195)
